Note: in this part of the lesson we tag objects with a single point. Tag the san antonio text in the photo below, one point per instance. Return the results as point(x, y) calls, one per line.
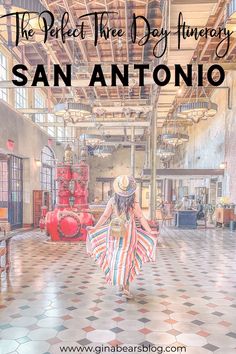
point(120, 75)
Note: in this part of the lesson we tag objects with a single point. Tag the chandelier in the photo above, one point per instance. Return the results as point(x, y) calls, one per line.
point(231, 17)
point(8, 24)
point(197, 110)
point(102, 152)
point(174, 138)
point(94, 140)
point(165, 152)
point(73, 111)
point(172, 134)
point(198, 105)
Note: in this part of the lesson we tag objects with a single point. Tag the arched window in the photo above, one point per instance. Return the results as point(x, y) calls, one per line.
point(48, 172)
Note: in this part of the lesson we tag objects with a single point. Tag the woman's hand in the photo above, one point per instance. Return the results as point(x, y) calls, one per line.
point(90, 228)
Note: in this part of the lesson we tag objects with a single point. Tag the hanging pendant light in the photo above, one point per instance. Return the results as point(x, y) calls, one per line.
point(175, 138)
point(165, 152)
point(73, 107)
point(197, 110)
point(172, 135)
point(72, 112)
point(198, 106)
point(94, 140)
point(102, 151)
point(8, 24)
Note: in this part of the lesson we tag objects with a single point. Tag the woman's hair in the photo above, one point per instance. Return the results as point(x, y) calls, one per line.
point(124, 204)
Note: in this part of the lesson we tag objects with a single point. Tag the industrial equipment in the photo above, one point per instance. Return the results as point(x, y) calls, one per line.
point(71, 216)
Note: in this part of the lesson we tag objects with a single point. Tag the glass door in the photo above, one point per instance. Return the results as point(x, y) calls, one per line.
point(3, 189)
point(15, 192)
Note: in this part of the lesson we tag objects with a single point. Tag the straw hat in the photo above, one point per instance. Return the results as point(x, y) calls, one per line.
point(124, 186)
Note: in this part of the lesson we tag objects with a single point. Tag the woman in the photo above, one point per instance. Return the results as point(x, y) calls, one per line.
point(119, 247)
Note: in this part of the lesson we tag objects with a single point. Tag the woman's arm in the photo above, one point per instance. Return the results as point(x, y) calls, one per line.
point(105, 216)
point(139, 215)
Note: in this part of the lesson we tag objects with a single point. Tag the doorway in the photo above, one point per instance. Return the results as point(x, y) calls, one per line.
point(3, 188)
point(15, 192)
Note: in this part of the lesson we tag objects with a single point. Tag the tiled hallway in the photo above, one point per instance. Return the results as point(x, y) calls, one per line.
point(55, 293)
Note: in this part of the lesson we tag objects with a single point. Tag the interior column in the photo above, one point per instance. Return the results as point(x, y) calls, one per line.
point(132, 164)
point(152, 199)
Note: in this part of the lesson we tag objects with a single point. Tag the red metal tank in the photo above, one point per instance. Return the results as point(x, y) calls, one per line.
point(80, 176)
point(63, 172)
point(81, 196)
point(50, 222)
point(63, 178)
point(69, 220)
point(67, 225)
point(80, 172)
point(64, 194)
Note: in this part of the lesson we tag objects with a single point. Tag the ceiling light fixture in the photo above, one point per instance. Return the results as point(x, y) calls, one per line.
point(197, 110)
point(73, 111)
point(198, 105)
point(93, 140)
point(174, 138)
point(103, 154)
point(172, 134)
point(8, 24)
point(102, 151)
point(165, 152)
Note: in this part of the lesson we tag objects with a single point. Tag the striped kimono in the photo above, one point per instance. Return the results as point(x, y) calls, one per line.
point(121, 259)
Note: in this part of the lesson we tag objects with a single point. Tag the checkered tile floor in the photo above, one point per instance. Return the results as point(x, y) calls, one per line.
point(56, 295)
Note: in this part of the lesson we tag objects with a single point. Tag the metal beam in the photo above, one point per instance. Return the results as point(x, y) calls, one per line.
point(152, 199)
point(74, 83)
point(84, 124)
point(106, 109)
point(123, 143)
point(111, 179)
point(188, 172)
point(132, 152)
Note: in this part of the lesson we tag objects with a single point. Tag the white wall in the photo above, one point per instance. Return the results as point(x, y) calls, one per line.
point(214, 141)
point(112, 166)
point(29, 140)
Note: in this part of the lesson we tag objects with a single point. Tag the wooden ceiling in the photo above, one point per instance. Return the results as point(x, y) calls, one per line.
point(83, 55)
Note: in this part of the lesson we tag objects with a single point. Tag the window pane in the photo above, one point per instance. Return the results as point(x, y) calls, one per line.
point(39, 102)
point(48, 172)
point(21, 97)
point(3, 76)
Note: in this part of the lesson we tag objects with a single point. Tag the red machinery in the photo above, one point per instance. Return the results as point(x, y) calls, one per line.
point(71, 216)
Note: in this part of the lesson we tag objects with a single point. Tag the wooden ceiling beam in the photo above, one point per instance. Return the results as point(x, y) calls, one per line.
point(126, 30)
point(216, 24)
point(80, 43)
point(111, 42)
